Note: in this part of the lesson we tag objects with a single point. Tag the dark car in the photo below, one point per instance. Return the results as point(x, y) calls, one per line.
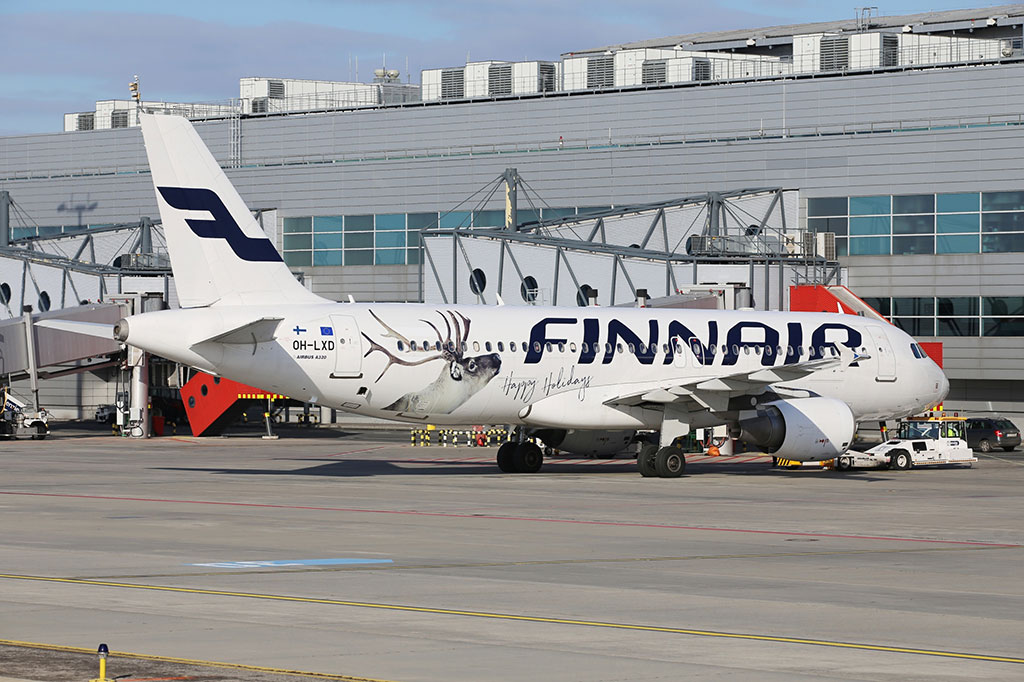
point(986, 433)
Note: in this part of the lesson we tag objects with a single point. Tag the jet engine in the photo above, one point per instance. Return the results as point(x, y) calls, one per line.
point(586, 442)
point(804, 429)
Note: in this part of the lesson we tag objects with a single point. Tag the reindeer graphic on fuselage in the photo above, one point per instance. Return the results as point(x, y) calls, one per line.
point(457, 382)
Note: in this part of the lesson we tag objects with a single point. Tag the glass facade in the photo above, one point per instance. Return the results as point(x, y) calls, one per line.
point(385, 238)
point(954, 315)
point(962, 222)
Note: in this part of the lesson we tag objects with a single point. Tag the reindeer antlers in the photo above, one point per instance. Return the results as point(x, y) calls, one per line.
point(448, 353)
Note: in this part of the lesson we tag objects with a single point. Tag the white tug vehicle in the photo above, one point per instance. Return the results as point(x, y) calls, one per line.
point(921, 441)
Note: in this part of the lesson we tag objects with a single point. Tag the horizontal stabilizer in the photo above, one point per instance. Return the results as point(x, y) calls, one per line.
point(257, 331)
point(97, 329)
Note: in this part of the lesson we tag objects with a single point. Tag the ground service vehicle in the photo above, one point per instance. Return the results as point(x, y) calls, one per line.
point(921, 441)
point(986, 433)
point(16, 421)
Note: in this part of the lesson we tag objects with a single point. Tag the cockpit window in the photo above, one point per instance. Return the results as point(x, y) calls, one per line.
point(918, 351)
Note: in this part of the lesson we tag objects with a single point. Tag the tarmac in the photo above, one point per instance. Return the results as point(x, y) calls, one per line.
point(331, 554)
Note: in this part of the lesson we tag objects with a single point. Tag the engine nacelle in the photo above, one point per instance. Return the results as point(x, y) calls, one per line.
point(586, 442)
point(803, 429)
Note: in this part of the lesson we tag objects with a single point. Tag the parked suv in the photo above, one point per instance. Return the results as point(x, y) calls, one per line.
point(986, 433)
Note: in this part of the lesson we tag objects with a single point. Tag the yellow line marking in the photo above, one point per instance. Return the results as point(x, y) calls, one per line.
point(188, 661)
point(527, 619)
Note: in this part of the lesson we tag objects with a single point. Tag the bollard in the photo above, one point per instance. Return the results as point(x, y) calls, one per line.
point(102, 651)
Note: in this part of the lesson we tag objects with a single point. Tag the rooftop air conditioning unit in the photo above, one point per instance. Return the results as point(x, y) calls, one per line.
point(820, 245)
point(826, 245)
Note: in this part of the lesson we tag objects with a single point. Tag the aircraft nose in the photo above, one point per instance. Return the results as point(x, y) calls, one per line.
point(943, 385)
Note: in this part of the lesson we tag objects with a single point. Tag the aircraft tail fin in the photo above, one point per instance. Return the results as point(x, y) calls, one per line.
point(218, 251)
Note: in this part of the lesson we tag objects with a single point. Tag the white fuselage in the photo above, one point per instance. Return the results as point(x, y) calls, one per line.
point(536, 365)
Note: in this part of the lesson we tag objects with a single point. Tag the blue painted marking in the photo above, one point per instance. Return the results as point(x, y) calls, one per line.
point(299, 330)
point(277, 563)
point(326, 331)
point(221, 226)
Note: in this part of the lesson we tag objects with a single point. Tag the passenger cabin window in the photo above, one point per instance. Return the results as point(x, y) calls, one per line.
point(501, 346)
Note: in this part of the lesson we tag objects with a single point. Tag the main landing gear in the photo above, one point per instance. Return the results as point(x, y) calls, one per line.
point(667, 462)
point(520, 458)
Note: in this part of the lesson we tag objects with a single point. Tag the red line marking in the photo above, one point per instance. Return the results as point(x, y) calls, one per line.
point(494, 517)
point(352, 452)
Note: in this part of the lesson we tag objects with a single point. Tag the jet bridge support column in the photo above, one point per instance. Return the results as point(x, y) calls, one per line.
point(138, 414)
point(5, 218)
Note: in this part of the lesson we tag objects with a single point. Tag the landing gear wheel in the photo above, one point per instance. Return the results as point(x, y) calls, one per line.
point(528, 458)
point(984, 445)
point(507, 457)
point(900, 459)
point(669, 462)
point(844, 463)
point(645, 461)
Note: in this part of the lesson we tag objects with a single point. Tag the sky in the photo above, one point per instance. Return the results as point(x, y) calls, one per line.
point(62, 56)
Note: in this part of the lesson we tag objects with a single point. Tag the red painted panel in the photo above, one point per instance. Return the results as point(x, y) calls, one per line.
point(207, 398)
point(815, 299)
point(934, 350)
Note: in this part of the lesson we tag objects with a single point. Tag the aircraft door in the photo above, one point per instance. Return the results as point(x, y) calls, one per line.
point(348, 348)
point(882, 352)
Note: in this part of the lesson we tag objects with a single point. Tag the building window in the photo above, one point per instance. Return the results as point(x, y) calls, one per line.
point(85, 122)
point(915, 203)
point(874, 225)
point(1002, 201)
point(957, 243)
point(958, 203)
point(870, 205)
point(956, 222)
point(912, 224)
point(909, 246)
point(119, 119)
point(837, 206)
point(869, 246)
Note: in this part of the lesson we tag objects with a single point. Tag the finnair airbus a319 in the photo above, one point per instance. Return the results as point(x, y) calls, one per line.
point(792, 384)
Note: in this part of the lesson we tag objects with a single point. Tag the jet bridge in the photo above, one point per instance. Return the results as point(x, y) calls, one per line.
point(32, 352)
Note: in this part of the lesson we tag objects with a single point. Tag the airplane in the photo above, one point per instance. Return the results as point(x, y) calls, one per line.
point(580, 379)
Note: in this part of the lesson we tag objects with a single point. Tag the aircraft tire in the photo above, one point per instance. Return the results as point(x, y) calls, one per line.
point(844, 463)
point(900, 459)
point(507, 457)
point(669, 462)
point(528, 458)
point(645, 461)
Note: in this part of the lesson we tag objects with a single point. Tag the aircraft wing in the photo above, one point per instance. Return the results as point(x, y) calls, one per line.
point(714, 393)
point(257, 331)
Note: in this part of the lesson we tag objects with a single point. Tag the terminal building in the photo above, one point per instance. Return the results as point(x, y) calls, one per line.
point(881, 153)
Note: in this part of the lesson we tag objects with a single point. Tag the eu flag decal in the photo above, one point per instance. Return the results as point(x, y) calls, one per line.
point(326, 331)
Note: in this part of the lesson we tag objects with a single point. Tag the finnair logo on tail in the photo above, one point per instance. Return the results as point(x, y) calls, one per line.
point(223, 226)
